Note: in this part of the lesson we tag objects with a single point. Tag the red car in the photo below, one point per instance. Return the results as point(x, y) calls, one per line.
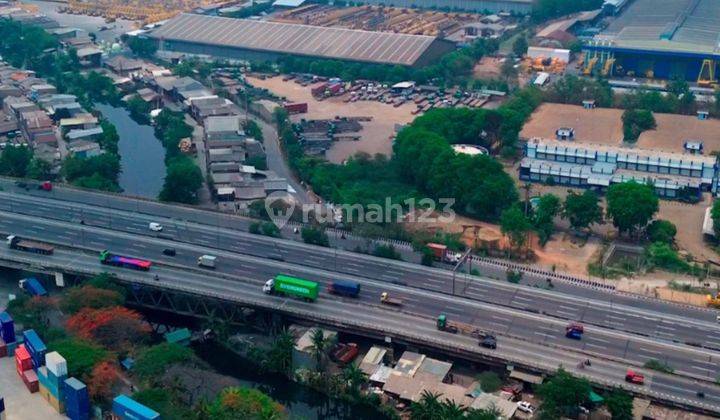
point(634, 377)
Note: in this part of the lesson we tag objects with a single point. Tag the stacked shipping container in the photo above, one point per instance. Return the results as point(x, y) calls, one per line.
point(8, 343)
point(76, 399)
point(2, 408)
point(52, 377)
point(24, 366)
point(35, 347)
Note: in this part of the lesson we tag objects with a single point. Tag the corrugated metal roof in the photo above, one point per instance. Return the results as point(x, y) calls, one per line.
point(316, 41)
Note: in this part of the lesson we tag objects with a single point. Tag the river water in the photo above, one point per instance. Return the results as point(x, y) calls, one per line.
point(142, 156)
point(301, 402)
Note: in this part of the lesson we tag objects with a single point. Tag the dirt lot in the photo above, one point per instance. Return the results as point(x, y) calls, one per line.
point(672, 130)
point(488, 68)
point(599, 125)
point(375, 136)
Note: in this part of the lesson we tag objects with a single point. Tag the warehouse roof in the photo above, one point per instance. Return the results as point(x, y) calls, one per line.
point(685, 26)
point(316, 41)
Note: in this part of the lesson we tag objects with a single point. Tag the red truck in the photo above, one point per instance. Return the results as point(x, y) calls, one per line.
point(441, 253)
point(296, 108)
point(319, 90)
point(634, 377)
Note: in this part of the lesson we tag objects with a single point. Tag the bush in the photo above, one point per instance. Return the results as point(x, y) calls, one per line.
point(89, 297)
point(387, 251)
point(661, 255)
point(254, 228)
point(659, 366)
point(635, 121)
point(489, 381)
point(662, 231)
point(81, 355)
point(314, 236)
point(153, 361)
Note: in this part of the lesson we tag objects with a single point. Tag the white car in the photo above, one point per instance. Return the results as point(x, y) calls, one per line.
point(155, 227)
point(525, 407)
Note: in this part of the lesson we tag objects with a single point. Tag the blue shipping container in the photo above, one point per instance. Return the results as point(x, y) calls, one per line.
point(128, 409)
point(33, 286)
point(77, 401)
point(11, 348)
point(50, 382)
point(35, 347)
point(2, 408)
point(346, 288)
point(7, 327)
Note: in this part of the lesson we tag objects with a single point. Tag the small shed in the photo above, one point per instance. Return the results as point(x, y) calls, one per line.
point(694, 147)
point(181, 337)
point(703, 115)
point(589, 104)
point(565, 133)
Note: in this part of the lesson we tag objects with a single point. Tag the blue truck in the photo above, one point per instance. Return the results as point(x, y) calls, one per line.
point(344, 288)
point(32, 286)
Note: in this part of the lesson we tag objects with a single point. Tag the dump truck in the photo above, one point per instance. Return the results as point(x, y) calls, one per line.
point(32, 286)
point(207, 261)
point(386, 299)
point(444, 325)
point(344, 288)
point(15, 242)
point(292, 286)
point(441, 253)
point(574, 330)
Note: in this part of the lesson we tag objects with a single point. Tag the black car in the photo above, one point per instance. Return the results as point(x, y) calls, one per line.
point(488, 341)
point(170, 252)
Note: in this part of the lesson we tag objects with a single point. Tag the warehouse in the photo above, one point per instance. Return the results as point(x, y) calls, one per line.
point(243, 39)
point(480, 6)
point(659, 39)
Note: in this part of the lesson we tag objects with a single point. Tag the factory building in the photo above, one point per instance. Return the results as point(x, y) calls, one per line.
point(599, 166)
point(658, 40)
point(479, 6)
point(244, 39)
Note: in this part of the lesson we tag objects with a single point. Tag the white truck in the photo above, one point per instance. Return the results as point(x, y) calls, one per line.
point(207, 261)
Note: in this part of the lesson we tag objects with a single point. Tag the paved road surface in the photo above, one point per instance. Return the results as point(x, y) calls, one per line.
point(245, 286)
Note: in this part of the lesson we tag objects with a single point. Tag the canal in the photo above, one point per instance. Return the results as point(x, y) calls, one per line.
point(142, 156)
point(301, 402)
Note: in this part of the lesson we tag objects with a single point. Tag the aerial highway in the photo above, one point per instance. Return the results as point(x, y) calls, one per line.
point(648, 317)
point(524, 338)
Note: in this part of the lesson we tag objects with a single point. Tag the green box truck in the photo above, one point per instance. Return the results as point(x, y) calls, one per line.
point(293, 286)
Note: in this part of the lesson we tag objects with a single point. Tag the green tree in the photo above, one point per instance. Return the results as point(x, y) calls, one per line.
point(14, 161)
point(509, 72)
point(631, 205)
point(39, 169)
point(548, 9)
point(520, 45)
point(620, 404)
point(153, 361)
point(139, 109)
point(90, 297)
point(142, 47)
point(354, 377)
point(387, 251)
point(582, 210)
point(662, 255)
point(428, 408)
point(270, 229)
point(515, 225)
point(244, 403)
point(182, 181)
point(635, 121)
point(662, 231)
point(314, 236)
point(279, 356)
point(320, 347)
point(81, 356)
point(164, 401)
point(562, 395)
point(715, 215)
point(548, 207)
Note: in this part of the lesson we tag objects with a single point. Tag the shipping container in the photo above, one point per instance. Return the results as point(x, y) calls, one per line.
point(30, 380)
point(292, 286)
point(181, 337)
point(50, 381)
point(128, 409)
point(3, 349)
point(296, 108)
point(2, 408)
point(76, 399)
point(7, 327)
point(11, 348)
point(345, 288)
point(56, 364)
point(56, 403)
point(35, 347)
point(23, 361)
point(32, 286)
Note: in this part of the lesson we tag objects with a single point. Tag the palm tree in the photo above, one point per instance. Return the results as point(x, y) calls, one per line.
point(428, 408)
point(320, 346)
point(354, 377)
point(491, 413)
point(280, 355)
point(452, 410)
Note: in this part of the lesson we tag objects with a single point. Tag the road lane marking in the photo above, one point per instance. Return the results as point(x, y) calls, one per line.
point(666, 327)
point(649, 351)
